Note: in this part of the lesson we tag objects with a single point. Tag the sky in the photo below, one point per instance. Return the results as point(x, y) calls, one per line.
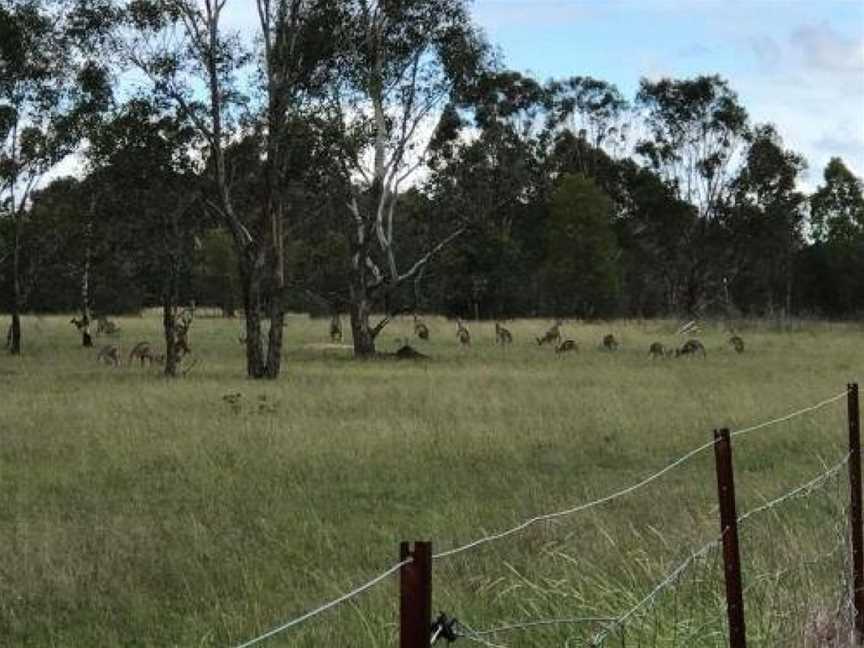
point(798, 64)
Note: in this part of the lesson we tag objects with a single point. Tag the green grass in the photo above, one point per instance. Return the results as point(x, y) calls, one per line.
point(139, 511)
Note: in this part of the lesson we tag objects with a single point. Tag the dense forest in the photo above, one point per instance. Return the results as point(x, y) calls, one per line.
point(377, 159)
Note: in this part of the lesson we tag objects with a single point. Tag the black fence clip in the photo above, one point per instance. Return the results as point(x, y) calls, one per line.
point(444, 628)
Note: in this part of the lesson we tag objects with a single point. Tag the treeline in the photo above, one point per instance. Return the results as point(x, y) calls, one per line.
point(377, 158)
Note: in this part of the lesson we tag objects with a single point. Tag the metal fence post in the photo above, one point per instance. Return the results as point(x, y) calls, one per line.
point(855, 513)
point(415, 589)
point(729, 530)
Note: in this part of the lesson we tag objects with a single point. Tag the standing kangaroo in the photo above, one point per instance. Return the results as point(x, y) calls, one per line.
point(420, 329)
point(336, 328)
point(502, 335)
point(552, 336)
point(181, 331)
point(463, 334)
point(737, 344)
point(610, 343)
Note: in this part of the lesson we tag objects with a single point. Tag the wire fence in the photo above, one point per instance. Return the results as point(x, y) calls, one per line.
point(486, 637)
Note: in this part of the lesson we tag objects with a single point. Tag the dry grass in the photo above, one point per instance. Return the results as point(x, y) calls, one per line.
point(139, 511)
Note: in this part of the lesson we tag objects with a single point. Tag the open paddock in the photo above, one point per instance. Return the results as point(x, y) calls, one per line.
point(135, 510)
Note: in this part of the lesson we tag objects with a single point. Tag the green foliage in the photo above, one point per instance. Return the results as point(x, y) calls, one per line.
point(837, 207)
point(695, 125)
point(581, 249)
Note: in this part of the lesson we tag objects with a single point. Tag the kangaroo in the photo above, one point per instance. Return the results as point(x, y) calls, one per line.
point(106, 326)
point(553, 335)
point(566, 346)
point(336, 328)
point(610, 343)
point(420, 329)
point(109, 354)
point(463, 334)
point(657, 350)
point(141, 351)
point(502, 335)
point(691, 347)
point(181, 331)
point(737, 344)
point(80, 324)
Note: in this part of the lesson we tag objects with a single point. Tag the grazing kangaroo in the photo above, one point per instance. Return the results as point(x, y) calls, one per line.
point(106, 326)
point(502, 335)
point(463, 334)
point(553, 335)
point(691, 347)
point(610, 343)
point(141, 351)
point(657, 350)
point(109, 354)
point(420, 329)
point(737, 344)
point(566, 346)
point(336, 328)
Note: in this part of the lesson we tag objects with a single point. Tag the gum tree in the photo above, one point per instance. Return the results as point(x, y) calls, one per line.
point(403, 67)
point(51, 80)
point(193, 62)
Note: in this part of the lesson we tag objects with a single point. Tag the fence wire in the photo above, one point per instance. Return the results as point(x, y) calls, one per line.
point(524, 525)
point(801, 491)
point(630, 489)
point(615, 623)
point(323, 608)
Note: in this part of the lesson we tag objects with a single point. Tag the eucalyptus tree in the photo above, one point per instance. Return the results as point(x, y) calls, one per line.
point(145, 172)
point(696, 129)
point(51, 79)
point(500, 176)
point(591, 112)
point(209, 74)
point(764, 223)
point(835, 262)
point(404, 65)
point(837, 206)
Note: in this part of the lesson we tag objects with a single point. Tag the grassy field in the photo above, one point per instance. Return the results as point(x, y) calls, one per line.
point(138, 511)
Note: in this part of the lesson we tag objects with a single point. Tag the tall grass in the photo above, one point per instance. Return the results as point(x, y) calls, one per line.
point(135, 510)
